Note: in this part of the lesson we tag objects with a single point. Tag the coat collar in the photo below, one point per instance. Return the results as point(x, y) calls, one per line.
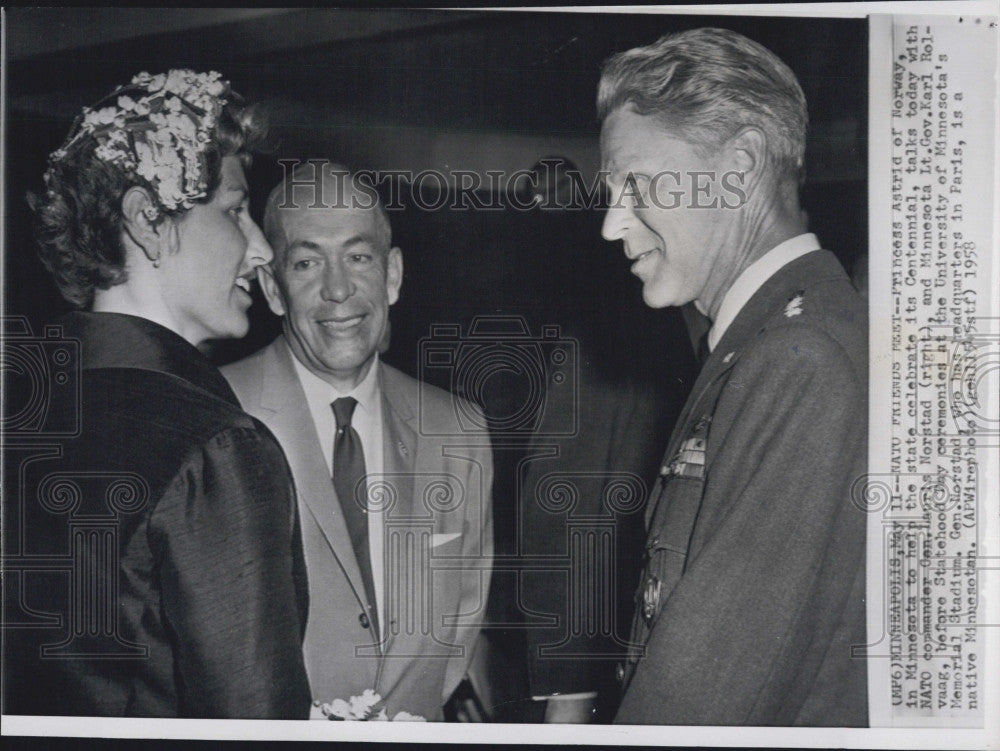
point(768, 302)
point(772, 297)
point(813, 268)
point(117, 340)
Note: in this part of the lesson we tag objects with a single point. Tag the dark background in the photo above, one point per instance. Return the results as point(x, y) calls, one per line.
point(399, 89)
point(395, 89)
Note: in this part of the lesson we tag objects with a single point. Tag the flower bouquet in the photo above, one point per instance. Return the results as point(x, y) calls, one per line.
point(368, 707)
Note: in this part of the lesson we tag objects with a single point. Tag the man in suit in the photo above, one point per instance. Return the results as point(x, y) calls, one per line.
point(750, 609)
point(394, 499)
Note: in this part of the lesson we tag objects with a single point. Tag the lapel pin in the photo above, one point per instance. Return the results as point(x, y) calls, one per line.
point(403, 450)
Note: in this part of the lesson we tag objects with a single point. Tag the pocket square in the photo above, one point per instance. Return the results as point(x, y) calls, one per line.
point(440, 538)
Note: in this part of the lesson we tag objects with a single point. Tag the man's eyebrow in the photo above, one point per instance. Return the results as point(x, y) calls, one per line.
point(360, 239)
point(304, 245)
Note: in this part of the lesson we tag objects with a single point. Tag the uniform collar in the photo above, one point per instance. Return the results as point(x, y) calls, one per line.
point(753, 278)
point(118, 340)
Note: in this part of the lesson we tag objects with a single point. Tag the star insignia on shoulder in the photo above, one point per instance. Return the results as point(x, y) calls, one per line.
point(794, 306)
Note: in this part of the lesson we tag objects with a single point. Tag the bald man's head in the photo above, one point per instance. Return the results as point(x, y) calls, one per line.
point(322, 186)
point(334, 274)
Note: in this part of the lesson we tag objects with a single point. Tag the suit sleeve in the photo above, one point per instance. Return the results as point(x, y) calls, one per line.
point(229, 563)
point(766, 590)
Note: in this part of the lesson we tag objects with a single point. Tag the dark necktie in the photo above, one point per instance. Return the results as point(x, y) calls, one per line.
point(703, 350)
point(352, 491)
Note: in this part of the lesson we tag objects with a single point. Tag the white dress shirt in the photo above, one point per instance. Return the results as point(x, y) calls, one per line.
point(753, 278)
point(367, 421)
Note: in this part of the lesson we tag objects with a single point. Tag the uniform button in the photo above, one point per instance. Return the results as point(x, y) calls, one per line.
point(363, 620)
point(620, 672)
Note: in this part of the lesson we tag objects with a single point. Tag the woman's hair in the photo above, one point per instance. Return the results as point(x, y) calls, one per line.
point(707, 83)
point(167, 134)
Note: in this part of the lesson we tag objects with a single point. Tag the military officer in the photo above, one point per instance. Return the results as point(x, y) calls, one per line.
point(750, 609)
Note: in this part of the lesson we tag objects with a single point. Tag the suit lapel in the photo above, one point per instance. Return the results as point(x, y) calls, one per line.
point(282, 394)
point(399, 455)
point(399, 433)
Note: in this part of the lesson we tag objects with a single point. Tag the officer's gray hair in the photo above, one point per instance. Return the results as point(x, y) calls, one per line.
point(706, 84)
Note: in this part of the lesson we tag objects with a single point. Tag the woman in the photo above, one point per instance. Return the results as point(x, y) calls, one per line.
point(182, 591)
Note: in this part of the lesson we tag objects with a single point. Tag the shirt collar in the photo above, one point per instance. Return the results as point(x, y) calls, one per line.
point(753, 278)
point(321, 394)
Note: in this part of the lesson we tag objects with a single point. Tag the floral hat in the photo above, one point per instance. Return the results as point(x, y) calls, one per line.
point(157, 129)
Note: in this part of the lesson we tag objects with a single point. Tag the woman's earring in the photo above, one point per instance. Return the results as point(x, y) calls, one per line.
point(156, 261)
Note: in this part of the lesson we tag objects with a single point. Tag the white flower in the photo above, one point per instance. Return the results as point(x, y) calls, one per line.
point(178, 81)
point(151, 83)
point(103, 116)
point(407, 717)
point(339, 708)
point(366, 701)
point(106, 153)
point(167, 140)
point(215, 85)
point(364, 708)
point(182, 127)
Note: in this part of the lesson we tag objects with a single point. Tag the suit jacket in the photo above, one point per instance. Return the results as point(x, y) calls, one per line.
point(438, 538)
point(155, 567)
point(752, 597)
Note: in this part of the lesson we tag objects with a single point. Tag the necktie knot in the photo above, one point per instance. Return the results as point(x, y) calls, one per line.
point(343, 410)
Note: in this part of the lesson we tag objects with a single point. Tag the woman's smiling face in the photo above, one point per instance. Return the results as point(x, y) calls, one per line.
point(219, 249)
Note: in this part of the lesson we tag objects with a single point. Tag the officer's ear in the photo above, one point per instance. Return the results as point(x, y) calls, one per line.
point(748, 151)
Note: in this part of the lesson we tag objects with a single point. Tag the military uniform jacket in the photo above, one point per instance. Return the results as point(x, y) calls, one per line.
point(752, 598)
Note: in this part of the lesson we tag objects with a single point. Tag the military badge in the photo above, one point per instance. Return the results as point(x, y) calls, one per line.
point(689, 461)
point(650, 598)
point(794, 306)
